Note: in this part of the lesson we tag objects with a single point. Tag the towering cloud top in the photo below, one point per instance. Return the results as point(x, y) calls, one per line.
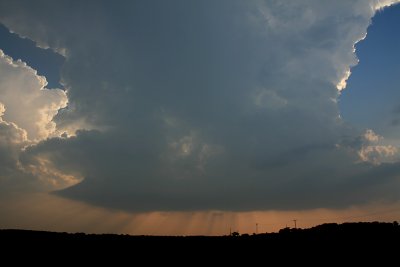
point(194, 105)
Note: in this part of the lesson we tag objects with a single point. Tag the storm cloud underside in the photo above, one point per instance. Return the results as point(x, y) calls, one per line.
point(197, 105)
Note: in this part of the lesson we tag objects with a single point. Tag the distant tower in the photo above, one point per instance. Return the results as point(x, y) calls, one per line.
point(295, 224)
point(256, 228)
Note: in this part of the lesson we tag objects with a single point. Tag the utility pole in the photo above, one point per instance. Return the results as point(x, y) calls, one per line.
point(256, 228)
point(295, 224)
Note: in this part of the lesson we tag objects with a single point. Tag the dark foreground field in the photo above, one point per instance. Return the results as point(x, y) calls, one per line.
point(332, 241)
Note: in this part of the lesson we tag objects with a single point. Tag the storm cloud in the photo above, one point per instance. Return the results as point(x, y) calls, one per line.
point(200, 105)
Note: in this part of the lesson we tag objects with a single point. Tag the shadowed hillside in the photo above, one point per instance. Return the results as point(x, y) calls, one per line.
point(324, 245)
point(367, 236)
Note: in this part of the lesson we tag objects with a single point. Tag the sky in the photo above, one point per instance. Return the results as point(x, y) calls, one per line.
point(195, 117)
point(379, 94)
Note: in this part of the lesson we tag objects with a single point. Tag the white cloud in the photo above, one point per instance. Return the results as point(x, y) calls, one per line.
point(343, 82)
point(370, 136)
point(28, 104)
point(379, 4)
point(26, 117)
point(378, 154)
point(375, 152)
point(12, 140)
point(11, 134)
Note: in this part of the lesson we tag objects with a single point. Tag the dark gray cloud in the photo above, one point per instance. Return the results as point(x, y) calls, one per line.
point(192, 105)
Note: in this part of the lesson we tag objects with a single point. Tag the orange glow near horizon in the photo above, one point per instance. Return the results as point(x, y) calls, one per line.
point(52, 213)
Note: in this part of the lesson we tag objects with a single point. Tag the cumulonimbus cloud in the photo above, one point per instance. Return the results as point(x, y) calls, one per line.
point(27, 109)
point(177, 105)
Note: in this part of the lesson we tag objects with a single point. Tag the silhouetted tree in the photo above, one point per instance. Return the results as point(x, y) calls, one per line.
point(235, 234)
